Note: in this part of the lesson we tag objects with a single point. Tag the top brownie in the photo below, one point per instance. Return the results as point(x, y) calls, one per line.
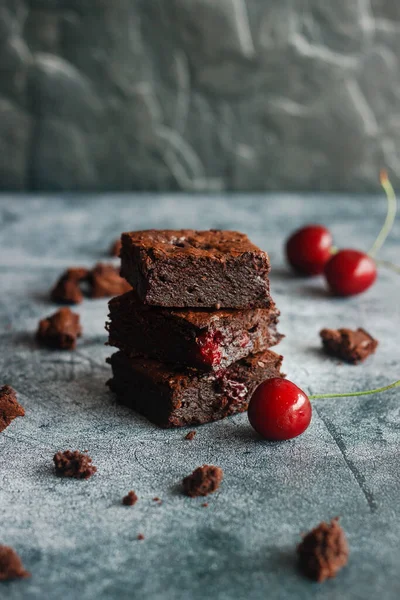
point(188, 268)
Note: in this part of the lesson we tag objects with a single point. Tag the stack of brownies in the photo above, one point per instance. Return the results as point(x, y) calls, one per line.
point(195, 332)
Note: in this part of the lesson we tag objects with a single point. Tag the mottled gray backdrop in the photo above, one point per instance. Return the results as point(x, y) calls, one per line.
point(198, 94)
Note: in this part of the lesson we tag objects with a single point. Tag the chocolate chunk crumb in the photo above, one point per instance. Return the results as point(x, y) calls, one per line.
point(351, 346)
point(205, 504)
point(323, 551)
point(140, 536)
point(116, 247)
point(203, 481)
point(67, 290)
point(106, 281)
point(156, 499)
point(9, 406)
point(11, 566)
point(130, 499)
point(190, 435)
point(60, 330)
point(74, 464)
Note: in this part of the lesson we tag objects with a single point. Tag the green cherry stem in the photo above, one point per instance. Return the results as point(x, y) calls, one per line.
point(346, 395)
point(390, 214)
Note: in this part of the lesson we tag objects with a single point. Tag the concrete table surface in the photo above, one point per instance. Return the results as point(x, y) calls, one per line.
point(76, 538)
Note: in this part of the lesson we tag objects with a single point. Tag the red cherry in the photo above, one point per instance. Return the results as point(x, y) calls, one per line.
point(309, 248)
point(350, 272)
point(279, 410)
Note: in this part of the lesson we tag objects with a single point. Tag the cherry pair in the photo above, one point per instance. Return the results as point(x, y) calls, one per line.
point(310, 251)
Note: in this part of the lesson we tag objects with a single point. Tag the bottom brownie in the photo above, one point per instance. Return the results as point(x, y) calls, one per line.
point(177, 397)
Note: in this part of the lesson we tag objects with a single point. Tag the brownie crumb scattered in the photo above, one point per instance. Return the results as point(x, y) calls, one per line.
point(203, 481)
point(156, 499)
point(105, 281)
point(205, 504)
point(9, 406)
point(351, 346)
point(323, 551)
point(115, 248)
point(60, 330)
point(67, 290)
point(190, 435)
point(74, 464)
point(140, 536)
point(11, 566)
point(130, 499)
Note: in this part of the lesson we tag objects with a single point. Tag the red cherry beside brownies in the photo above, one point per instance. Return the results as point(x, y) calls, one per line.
point(309, 248)
point(279, 410)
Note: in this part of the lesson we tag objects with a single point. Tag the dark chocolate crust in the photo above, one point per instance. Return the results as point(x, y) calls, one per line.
point(188, 268)
point(172, 397)
point(179, 335)
point(351, 346)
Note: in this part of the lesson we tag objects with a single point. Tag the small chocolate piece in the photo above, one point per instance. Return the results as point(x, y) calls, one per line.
point(181, 268)
point(203, 481)
point(105, 281)
point(351, 346)
point(9, 406)
point(190, 435)
point(203, 338)
point(60, 330)
point(175, 397)
point(156, 499)
point(205, 504)
point(116, 248)
point(74, 464)
point(67, 290)
point(11, 566)
point(140, 536)
point(130, 499)
point(323, 551)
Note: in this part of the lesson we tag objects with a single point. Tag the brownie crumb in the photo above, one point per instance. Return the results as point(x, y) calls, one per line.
point(74, 464)
point(115, 248)
point(190, 435)
point(203, 481)
point(105, 281)
point(10, 408)
point(60, 330)
point(156, 499)
point(130, 499)
point(140, 536)
point(205, 504)
point(67, 290)
point(11, 566)
point(351, 346)
point(323, 551)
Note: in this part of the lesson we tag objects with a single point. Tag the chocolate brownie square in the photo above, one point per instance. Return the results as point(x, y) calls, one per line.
point(201, 338)
point(173, 397)
point(187, 268)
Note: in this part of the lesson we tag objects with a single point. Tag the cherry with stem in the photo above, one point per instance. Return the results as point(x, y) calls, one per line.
point(349, 272)
point(279, 410)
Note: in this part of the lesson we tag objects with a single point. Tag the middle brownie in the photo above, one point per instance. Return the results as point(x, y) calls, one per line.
point(202, 338)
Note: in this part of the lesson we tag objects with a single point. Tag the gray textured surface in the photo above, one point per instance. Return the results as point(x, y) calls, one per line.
point(77, 539)
point(198, 94)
